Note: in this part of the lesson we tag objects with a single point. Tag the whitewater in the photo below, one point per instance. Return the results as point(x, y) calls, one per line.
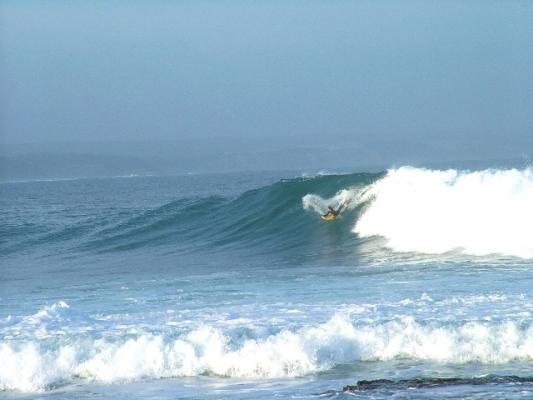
point(230, 286)
point(434, 212)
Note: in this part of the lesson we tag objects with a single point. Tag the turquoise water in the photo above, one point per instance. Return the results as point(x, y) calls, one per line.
point(230, 286)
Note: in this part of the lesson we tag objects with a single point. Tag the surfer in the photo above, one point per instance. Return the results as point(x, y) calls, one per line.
point(332, 213)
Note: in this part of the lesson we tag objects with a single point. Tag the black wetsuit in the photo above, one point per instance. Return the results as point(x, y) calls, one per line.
point(331, 211)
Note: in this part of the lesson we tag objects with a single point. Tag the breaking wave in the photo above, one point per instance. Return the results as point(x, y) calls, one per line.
point(37, 364)
point(477, 213)
point(415, 210)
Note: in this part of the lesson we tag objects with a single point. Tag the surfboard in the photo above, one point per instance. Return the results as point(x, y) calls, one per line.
point(328, 217)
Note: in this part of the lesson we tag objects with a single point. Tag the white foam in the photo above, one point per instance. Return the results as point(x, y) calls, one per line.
point(478, 213)
point(37, 365)
point(47, 322)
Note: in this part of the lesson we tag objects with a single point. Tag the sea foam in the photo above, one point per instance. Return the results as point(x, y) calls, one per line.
point(428, 211)
point(43, 364)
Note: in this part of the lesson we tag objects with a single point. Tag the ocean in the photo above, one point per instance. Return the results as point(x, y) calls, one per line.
point(230, 286)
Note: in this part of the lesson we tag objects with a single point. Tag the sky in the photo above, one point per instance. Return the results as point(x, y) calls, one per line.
point(302, 71)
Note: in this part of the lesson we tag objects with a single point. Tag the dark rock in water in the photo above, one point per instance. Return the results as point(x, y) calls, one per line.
point(434, 382)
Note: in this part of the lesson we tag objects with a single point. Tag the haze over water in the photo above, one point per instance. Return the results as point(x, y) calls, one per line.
point(233, 85)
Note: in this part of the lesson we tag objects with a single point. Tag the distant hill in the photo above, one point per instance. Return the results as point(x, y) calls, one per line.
point(91, 159)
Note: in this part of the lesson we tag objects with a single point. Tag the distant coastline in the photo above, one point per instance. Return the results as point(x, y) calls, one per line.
point(52, 161)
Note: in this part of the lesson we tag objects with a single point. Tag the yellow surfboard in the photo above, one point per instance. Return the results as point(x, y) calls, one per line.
point(328, 217)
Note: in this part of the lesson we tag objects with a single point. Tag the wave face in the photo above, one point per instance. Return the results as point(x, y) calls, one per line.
point(41, 364)
point(414, 210)
point(264, 220)
point(477, 213)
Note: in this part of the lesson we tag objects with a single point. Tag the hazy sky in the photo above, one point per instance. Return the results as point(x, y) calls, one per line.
point(137, 70)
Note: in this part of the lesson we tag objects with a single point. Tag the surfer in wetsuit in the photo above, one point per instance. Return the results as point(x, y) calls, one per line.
point(332, 214)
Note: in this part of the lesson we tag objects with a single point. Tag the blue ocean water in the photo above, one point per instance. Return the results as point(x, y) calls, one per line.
point(230, 286)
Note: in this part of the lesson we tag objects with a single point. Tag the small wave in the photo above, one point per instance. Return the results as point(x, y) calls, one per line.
point(37, 365)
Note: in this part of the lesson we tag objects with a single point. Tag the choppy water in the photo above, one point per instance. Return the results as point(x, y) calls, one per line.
point(230, 286)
